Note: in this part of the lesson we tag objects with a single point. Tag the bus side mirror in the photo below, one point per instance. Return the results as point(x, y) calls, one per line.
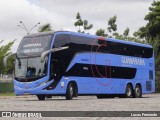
point(45, 53)
point(6, 58)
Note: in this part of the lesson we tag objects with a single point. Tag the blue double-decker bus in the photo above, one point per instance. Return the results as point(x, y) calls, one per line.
point(70, 64)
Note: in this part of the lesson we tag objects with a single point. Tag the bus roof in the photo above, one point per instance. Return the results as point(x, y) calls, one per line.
point(88, 35)
point(40, 34)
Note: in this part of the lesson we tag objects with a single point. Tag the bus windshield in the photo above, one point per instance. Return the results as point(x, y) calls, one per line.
point(34, 46)
point(30, 67)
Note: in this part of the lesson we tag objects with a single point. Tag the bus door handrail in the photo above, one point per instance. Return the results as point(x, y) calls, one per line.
point(45, 53)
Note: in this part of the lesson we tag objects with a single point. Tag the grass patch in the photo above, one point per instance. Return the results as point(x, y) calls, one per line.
point(7, 94)
point(6, 87)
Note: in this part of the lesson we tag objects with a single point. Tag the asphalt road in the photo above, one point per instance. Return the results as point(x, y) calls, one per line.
point(149, 102)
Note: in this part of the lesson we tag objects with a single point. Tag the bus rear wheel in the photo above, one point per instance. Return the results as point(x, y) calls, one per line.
point(41, 97)
point(138, 91)
point(69, 92)
point(129, 91)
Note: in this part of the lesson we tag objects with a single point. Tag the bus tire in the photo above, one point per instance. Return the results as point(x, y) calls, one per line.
point(138, 92)
point(75, 88)
point(129, 91)
point(41, 97)
point(69, 91)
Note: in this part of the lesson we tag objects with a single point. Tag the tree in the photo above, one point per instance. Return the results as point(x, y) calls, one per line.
point(4, 51)
point(86, 26)
point(79, 21)
point(101, 32)
point(152, 28)
point(151, 33)
point(156, 46)
point(45, 28)
point(82, 23)
point(119, 36)
point(112, 24)
point(112, 27)
point(126, 32)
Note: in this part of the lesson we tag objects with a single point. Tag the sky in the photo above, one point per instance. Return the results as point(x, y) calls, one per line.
point(61, 14)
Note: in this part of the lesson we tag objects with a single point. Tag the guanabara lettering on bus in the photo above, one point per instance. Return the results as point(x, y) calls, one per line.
point(133, 61)
point(71, 64)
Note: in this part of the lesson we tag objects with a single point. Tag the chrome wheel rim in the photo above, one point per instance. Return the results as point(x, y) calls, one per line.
point(71, 91)
point(129, 92)
point(137, 91)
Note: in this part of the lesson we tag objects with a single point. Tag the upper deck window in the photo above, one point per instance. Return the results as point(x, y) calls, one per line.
point(61, 40)
point(78, 43)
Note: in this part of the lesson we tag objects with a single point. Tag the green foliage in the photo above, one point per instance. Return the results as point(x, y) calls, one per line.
point(152, 28)
point(156, 46)
point(82, 23)
point(78, 16)
point(4, 51)
point(112, 27)
point(128, 38)
point(126, 32)
point(45, 28)
point(101, 32)
point(6, 87)
point(112, 24)
point(156, 43)
point(151, 33)
point(10, 65)
point(79, 21)
point(86, 26)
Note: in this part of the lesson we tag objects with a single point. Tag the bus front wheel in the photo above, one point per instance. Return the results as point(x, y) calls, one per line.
point(69, 91)
point(41, 97)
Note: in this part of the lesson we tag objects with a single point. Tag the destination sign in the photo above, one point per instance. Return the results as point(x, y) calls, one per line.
point(30, 46)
